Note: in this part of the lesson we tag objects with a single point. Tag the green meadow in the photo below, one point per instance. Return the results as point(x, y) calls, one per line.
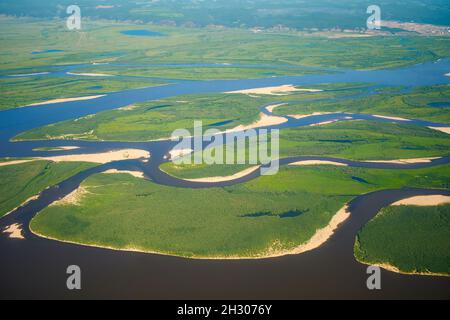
point(411, 238)
point(21, 91)
point(261, 217)
point(22, 181)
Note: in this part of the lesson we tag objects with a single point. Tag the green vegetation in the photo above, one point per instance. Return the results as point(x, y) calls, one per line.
point(20, 37)
point(256, 218)
point(413, 105)
point(21, 91)
point(21, 181)
point(154, 120)
point(410, 238)
point(354, 140)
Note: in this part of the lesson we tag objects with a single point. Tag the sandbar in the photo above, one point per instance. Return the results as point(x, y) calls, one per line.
point(275, 91)
point(137, 174)
point(433, 200)
point(14, 231)
point(317, 162)
point(65, 100)
point(238, 175)
point(105, 157)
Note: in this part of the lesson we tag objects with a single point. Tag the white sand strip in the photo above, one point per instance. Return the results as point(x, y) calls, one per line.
point(434, 200)
point(179, 153)
point(90, 74)
point(275, 91)
point(10, 163)
point(65, 100)
point(390, 118)
point(442, 129)
point(317, 162)
point(14, 231)
point(322, 235)
point(272, 107)
point(137, 174)
point(28, 74)
point(264, 121)
point(105, 157)
point(301, 116)
point(404, 161)
point(226, 178)
point(323, 123)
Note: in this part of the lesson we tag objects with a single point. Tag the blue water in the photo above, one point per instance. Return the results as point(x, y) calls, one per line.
point(141, 33)
point(47, 51)
point(439, 104)
point(14, 121)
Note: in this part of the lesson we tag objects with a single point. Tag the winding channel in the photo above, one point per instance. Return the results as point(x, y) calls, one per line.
point(35, 267)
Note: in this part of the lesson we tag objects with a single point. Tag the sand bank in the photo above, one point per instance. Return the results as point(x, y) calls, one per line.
point(23, 204)
point(65, 100)
point(275, 91)
point(390, 118)
point(404, 161)
point(317, 162)
point(90, 74)
point(137, 174)
point(322, 235)
point(301, 116)
point(65, 148)
point(10, 163)
point(434, 200)
point(442, 129)
point(105, 157)
point(73, 198)
point(14, 231)
point(272, 107)
point(28, 74)
point(323, 123)
point(179, 153)
point(264, 121)
point(226, 178)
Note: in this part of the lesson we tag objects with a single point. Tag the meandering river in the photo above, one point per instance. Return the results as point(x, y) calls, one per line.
point(35, 267)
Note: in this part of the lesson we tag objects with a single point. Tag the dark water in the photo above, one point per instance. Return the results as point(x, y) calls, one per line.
point(35, 267)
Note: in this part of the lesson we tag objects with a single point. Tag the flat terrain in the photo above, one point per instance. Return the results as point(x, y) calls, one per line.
point(257, 218)
point(23, 181)
point(411, 238)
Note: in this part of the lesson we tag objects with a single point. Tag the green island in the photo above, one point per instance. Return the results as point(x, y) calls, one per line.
point(411, 239)
point(20, 182)
point(263, 217)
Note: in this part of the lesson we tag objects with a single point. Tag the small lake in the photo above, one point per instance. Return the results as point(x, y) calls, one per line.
point(141, 33)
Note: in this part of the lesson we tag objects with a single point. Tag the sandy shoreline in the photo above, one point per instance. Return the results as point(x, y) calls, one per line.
point(404, 161)
point(264, 121)
point(90, 74)
point(14, 231)
point(441, 129)
point(390, 118)
point(423, 201)
point(238, 175)
point(301, 116)
point(317, 162)
point(273, 106)
point(137, 174)
point(102, 158)
point(54, 101)
point(274, 91)
point(320, 237)
point(391, 268)
point(13, 162)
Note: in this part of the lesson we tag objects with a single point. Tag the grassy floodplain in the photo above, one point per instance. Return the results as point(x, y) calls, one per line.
point(410, 238)
point(254, 219)
point(22, 91)
point(20, 182)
